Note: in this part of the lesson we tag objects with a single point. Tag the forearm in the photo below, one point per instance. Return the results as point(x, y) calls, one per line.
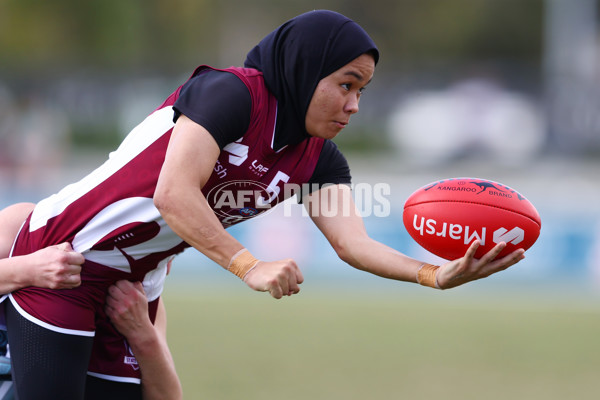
point(53, 267)
point(374, 257)
point(14, 274)
point(127, 308)
point(347, 235)
point(159, 377)
point(187, 212)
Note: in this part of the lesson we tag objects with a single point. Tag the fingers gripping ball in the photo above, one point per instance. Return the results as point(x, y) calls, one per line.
point(444, 217)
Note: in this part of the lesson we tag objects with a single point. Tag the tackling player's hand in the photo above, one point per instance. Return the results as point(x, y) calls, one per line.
point(127, 308)
point(56, 267)
point(279, 278)
point(468, 268)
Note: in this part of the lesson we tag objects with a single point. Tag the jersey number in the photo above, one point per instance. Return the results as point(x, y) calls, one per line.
point(273, 189)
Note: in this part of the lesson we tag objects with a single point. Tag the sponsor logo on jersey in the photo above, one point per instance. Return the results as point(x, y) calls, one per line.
point(257, 168)
point(220, 170)
point(238, 153)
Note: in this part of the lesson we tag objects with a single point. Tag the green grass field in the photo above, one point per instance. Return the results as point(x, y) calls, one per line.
point(360, 345)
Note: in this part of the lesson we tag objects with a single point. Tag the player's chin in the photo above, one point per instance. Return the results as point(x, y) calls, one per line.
point(331, 132)
point(326, 131)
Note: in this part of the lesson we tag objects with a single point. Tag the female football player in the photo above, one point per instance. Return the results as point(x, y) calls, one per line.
point(222, 148)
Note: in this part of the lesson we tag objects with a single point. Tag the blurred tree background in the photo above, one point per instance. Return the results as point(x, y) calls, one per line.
point(101, 45)
point(79, 75)
point(162, 36)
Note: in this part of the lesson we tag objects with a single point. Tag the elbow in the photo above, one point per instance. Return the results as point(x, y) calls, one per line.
point(163, 201)
point(354, 251)
point(344, 251)
point(163, 198)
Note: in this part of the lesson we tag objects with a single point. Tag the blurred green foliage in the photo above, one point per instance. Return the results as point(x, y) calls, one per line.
point(81, 54)
point(66, 34)
point(158, 34)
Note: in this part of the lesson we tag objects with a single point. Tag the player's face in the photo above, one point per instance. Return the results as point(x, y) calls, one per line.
point(336, 97)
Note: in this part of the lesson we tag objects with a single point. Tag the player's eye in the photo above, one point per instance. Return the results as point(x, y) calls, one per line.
point(348, 86)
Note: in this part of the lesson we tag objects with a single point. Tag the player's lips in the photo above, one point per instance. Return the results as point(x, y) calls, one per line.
point(341, 124)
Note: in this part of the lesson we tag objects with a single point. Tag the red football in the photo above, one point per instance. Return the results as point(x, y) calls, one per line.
point(446, 216)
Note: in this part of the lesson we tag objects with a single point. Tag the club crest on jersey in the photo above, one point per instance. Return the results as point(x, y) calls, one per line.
point(248, 211)
point(129, 358)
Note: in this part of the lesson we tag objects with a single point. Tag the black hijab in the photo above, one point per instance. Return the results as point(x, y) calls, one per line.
point(297, 55)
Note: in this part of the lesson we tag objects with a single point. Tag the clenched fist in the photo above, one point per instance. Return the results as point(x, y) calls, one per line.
point(55, 267)
point(279, 278)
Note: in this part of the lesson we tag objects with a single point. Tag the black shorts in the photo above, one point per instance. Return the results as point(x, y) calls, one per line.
point(52, 365)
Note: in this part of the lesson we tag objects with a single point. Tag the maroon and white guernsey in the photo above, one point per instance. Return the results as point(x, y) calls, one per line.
point(109, 216)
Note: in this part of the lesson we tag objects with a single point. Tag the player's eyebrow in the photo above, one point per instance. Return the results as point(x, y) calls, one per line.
point(358, 76)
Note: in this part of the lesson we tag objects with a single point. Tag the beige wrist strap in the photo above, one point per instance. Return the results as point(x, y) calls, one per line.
point(241, 263)
point(427, 275)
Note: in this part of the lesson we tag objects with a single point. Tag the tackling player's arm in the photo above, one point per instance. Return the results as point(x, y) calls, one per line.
point(189, 162)
point(127, 308)
point(346, 233)
point(59, 267)
point(54, 267)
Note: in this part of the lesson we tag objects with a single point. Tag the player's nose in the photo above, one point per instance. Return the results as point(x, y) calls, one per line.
point(351, 105)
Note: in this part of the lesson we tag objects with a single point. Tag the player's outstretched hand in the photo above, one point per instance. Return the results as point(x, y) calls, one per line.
point(56, 267)
point(279, 278)
point(468, 268)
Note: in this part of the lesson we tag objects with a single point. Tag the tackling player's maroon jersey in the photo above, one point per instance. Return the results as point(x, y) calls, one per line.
point(109, 216)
